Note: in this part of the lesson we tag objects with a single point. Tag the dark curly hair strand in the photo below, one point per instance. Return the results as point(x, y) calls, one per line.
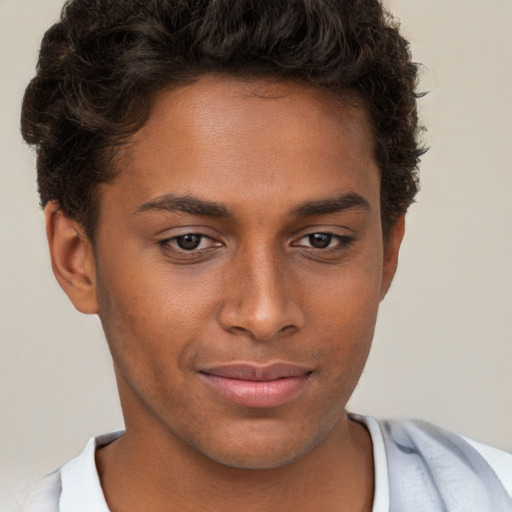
point(102, 63)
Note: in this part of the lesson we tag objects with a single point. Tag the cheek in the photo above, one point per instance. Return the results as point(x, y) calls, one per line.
point(346, 300)
point(149, 317)
point(344, 318)
point(150, 296)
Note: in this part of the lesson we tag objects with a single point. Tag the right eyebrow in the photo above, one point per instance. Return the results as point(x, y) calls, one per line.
point(186, 204)
point(347, 201)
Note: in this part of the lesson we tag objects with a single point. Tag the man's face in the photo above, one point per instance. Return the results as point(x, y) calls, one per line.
point(240, 266)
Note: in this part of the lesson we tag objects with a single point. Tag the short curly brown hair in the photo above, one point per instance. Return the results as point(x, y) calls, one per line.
point(102, 63)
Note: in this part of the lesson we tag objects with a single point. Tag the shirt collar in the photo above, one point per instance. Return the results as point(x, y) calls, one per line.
point(81, 488)
point(380, 463)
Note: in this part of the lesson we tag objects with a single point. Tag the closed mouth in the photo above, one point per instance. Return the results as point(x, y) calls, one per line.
point(257, 385)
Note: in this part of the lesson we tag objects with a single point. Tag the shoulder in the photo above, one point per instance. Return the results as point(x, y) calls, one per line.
point(75, 486)
point(430, 465)
point(499, 460)
point(44, 496)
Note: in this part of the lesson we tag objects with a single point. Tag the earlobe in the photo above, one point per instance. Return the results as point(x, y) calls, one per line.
point(72, 258)
point(391, 250)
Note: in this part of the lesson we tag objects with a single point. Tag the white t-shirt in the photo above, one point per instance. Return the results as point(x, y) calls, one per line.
point(418, 468)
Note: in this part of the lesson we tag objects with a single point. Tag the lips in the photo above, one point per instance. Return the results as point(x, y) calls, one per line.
point(257, 386)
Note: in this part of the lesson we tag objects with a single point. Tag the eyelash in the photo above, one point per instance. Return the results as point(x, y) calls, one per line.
point(167, 244)
point(344, 242)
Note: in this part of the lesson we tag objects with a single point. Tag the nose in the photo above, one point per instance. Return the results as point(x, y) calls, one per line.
point(260, 299)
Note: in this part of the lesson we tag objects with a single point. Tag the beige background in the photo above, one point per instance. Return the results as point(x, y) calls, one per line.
point(443, 345)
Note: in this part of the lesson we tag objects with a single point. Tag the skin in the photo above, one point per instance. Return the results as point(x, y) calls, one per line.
point(274, 157)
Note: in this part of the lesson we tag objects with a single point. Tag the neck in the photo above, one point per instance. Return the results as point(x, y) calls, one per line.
point(337, 475)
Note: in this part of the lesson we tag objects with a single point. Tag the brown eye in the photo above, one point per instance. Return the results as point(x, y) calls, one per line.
point(188, 242)
point(320, 240)
point(324, 241)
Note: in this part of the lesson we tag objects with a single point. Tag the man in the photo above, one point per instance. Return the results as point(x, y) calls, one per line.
point(225, 185)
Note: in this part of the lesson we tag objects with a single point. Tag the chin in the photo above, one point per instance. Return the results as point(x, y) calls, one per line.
point(263, 448)
point(257, 459)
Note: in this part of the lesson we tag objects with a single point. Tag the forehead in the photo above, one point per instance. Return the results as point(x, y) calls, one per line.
point(225, 138)
point(215, 104)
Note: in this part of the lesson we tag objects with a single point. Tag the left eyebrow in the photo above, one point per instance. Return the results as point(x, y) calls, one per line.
point(186, 204)
point(349, 201)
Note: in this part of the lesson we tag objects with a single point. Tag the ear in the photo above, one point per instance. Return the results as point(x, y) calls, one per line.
point(391, 250)
point(72, 258)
